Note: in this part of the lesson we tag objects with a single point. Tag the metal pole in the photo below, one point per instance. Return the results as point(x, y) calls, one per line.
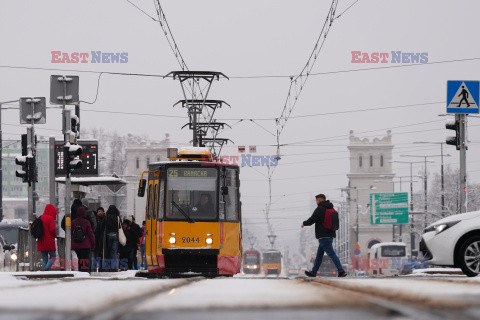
point(443, 180)
point(393, 225)
point(463, 164)
point(67, 122)
point(400, 226)
point(425, 190)
point(412, 224)
point(31, 240)
point(357, 216)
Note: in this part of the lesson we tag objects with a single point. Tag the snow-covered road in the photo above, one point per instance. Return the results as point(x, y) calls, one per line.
point(121, 296)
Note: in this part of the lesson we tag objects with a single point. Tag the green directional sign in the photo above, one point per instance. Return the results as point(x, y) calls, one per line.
point(389, 208)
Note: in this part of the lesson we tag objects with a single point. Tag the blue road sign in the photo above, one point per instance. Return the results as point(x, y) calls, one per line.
point(463, 96)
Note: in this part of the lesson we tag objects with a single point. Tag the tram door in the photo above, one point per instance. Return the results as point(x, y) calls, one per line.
point(154, 225)
point(151, 220)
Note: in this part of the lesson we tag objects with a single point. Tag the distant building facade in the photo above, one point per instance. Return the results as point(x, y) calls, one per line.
point(370, 167)
point(139, 154)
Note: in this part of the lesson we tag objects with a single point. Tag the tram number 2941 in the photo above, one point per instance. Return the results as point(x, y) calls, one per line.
point(190, 240)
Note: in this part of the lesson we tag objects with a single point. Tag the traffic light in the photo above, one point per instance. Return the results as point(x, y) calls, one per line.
point(453, 140)
point(32, 169)
point(22, 161)
point(71, 154)
point(22, 173)
point(75, 125)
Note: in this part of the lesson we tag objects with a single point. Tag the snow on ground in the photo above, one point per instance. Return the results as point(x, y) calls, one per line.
point(431, 292)
point(248, 293)
point(83, 296)
point(437, 271)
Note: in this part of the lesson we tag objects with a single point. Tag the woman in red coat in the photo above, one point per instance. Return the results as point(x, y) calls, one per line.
point(46, 244)
point(81, 228)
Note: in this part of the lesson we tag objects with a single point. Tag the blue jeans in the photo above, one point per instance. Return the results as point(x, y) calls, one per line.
point(144, 258)
point(112, 251)
point(47, 263)
point(325, 245)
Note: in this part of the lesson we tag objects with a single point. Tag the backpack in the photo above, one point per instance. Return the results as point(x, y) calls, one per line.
point(37, 228)
point(330, 221)
point(78, 235)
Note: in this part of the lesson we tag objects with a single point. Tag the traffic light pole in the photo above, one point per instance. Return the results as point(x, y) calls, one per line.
point(463, 162)
point(31, 240)
point(68, 185)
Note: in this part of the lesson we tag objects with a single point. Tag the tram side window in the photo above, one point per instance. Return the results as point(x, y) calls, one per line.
point(149, 201)
point(231, 199)
point(155, 202)
point(161, 200)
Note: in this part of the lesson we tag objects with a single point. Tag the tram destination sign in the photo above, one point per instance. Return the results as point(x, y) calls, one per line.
point(192, 173)
point(89, 158)
point(389, 208)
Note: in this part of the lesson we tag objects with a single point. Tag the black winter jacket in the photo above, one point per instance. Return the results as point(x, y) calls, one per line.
point(317, 217)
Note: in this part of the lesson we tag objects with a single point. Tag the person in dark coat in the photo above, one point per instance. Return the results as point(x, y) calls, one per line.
point(112, 224)
point(82, 249)
point(73, 212)
point(90, 214)
point(138, 233)
point(325, 237)
point(99, 233)
point(142, 247)
point(130, 248)
point(46, 244)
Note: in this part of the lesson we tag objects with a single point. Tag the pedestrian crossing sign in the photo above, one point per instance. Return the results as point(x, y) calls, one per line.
point(463, 96)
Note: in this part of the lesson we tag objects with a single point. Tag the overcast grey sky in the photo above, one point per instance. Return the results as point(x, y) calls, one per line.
point(247, 38)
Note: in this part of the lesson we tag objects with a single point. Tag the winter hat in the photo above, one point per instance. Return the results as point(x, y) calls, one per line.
point(81, 212)
point(50, 210)
point(85, 202)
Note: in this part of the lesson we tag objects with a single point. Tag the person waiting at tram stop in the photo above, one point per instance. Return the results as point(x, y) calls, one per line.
point(324, 235)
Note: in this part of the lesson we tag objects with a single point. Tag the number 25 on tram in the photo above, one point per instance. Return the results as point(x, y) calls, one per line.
point(193, 222)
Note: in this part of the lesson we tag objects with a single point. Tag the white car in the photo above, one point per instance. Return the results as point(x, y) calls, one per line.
point(454, 241)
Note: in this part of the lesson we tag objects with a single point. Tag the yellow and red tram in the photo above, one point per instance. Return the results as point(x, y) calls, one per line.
point(193, 215)
point(251, 262)
point(272, 262)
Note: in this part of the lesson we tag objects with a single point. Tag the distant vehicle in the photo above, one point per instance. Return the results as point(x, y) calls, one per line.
point(8, 242)
point(387, 259)
point(272, 262)
point(327, 268)
point(455, 242)
point(251, 262)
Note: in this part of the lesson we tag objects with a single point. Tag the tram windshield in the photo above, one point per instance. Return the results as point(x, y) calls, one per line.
point(251, 259)
point(192, 194)
point(271, 257)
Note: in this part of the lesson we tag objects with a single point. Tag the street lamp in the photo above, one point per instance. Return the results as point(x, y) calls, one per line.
point(412, 222)
point(425, 181)
point(441, 169)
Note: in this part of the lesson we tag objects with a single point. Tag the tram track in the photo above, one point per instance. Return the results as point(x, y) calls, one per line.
point(123, 307)
point(412, 308)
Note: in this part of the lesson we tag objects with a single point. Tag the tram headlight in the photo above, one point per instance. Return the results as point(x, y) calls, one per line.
point(209, 240)
point(172, 240)
point(13, 256)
